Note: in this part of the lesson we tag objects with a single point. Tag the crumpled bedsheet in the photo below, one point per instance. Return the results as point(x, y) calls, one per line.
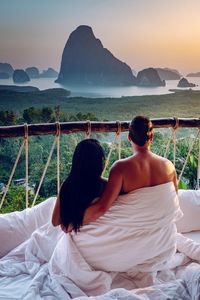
point(29, 272)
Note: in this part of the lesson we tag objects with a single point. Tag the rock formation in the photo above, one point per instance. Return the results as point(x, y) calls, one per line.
point(183, 83)
point(32, 72)
point(168, 74)
point(6, 68)
point(149, 78)
point(20, 76)
point(197, 74)
point(85, 61)
point(50, 73)
point(4, 75)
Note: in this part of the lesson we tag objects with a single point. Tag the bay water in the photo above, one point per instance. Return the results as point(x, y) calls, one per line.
point(103, 92)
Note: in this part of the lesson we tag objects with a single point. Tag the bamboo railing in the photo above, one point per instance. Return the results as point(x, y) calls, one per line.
point(88, 127)
point(84, 126)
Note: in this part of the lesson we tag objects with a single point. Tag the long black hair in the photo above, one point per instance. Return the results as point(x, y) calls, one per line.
point(83, 183)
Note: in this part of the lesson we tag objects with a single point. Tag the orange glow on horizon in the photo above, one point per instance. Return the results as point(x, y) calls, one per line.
point(141, 33)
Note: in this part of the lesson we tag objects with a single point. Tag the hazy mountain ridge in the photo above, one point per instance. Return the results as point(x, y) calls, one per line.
point(168, 74)
point(197, 74)
point(33, 72)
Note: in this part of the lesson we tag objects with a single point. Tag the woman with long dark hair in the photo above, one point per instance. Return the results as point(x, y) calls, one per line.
point(82, 186)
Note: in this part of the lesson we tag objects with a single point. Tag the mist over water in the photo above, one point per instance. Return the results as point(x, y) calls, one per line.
point(102, 92)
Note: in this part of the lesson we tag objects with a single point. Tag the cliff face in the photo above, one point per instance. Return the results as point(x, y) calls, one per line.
point(193, 74)
point(20, 76)
point(184, 83)
point(4, 75)
point(85, 61)
point(32, 72)
point(168, 74)
point(149, 78)
point(49, 73)
point(6, 68)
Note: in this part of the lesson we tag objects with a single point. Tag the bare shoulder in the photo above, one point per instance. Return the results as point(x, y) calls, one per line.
point(165, 162)
point(119, 165)
point(116, 167)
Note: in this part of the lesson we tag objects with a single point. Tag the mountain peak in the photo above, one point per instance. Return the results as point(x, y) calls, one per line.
point(85, 61)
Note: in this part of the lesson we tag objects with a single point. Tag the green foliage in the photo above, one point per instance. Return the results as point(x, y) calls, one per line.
point(182, 185)
point(182, 104)
point(39, 148)
point(190, 173)
point(48, 115)
point(15, 199)
point(8, 118)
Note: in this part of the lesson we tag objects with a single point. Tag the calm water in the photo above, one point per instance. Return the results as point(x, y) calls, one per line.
point(92, 92)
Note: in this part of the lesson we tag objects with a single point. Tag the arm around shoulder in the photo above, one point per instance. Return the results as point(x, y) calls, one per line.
point(110, 194)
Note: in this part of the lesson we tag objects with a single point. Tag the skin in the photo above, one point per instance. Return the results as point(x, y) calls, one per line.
point(142, 169)
point(56, 214)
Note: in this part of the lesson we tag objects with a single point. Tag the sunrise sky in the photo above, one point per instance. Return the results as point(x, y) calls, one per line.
point(143, 33)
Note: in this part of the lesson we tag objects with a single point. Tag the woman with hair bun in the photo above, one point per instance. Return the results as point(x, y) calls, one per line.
point(142, 169)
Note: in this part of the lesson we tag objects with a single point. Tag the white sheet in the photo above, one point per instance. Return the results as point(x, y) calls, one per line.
point(194, 235)
point(50, 264)
point(139, 230)
point(17, 227)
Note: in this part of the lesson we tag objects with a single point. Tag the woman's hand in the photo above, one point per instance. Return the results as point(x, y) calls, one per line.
point(67, 229)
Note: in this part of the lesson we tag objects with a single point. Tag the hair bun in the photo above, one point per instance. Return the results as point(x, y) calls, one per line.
point(140, 130)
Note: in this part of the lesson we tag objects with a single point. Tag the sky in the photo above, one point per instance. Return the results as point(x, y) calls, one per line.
point(142, 33)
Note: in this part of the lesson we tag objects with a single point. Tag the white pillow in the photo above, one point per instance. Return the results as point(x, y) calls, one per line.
point(16, 227)
point(190, 205)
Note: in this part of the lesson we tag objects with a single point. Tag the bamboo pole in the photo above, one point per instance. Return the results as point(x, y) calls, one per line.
point(82, 126)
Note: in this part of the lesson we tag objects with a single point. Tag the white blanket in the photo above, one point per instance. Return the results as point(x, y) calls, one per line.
point(139, 230)
point(137, 248)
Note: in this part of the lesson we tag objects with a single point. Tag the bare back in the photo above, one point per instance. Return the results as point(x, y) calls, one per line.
point(145, 169)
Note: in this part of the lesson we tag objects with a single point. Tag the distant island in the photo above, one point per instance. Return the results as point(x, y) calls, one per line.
point(20, 76)
point(7, 71)
point(33, 72)
point(17, 88)
point(168, 74)
point(15, 97)
point(49, 73)
point(197, 74)
point(184, 83)
point(85, 61)
point(149, 77)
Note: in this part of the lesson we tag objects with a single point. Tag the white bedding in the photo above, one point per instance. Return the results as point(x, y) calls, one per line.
point(194, 235)
point(53, 265)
